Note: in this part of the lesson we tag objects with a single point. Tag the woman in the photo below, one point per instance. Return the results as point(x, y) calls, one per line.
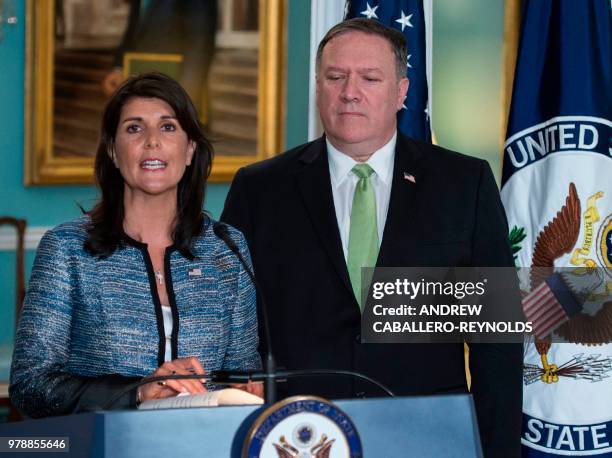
point(141, 285)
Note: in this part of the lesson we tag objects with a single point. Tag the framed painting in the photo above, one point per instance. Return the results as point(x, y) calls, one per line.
point(229, 56)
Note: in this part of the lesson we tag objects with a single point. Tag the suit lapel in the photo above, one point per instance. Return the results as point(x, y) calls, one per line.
point(314, 183)
point(400, 225)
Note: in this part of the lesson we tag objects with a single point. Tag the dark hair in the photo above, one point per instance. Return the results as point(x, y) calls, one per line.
point(106, 228)
point(396, 40)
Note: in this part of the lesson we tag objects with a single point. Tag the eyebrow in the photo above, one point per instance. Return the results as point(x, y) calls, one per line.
point(360, 70)
point(139, 118)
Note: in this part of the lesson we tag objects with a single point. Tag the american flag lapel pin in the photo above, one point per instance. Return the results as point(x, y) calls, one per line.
point(409, 177)
point(195, 272)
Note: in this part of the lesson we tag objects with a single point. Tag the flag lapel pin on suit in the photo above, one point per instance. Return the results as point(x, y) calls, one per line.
point(409, 177)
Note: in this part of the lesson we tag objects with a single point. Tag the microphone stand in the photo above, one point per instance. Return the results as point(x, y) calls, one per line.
point(228, 377)
point(270, 374)
point(269, 363)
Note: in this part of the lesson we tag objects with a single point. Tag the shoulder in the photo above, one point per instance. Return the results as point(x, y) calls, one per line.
point(441, 159)
point(444, 175)
point(283, 164)
point(62, 248)
point(209, 243)
point(70, 234)
point(442, 171)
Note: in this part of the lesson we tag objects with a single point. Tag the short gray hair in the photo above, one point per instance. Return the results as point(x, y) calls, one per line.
point(395, 38)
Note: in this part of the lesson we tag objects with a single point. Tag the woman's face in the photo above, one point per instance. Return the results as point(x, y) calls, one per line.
point(151, 148)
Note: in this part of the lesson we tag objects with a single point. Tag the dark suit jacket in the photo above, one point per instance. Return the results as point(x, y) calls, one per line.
point(451, 216)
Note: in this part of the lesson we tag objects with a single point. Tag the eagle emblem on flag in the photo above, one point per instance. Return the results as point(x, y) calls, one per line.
point(559, 237)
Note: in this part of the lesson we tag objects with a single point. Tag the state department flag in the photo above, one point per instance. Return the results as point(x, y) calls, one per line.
point(557, 191)
point(407, 16)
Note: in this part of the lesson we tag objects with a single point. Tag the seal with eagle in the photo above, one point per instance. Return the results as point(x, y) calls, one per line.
point(557, 238)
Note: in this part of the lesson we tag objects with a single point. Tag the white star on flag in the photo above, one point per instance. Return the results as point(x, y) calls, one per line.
point(370, 12)
point(405, 21)
point(407, 18)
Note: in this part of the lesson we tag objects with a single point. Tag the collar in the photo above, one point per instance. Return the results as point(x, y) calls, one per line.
point(381, 161)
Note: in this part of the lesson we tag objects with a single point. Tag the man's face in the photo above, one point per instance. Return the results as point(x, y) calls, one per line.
point(358, 93)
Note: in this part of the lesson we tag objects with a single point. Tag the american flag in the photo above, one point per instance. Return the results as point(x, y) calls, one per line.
point(543, 310)
point(407, 16)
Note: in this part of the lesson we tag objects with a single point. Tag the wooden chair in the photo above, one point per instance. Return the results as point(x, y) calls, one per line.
point(20, 228)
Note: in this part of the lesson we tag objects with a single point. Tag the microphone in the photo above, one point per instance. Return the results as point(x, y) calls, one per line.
point(270, 394)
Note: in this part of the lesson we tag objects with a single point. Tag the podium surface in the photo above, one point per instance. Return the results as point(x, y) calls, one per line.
point(429, 426)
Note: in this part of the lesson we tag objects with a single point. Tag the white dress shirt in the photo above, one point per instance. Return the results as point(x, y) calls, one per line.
point(344, 181)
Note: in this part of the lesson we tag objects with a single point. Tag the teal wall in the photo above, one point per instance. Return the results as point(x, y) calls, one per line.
point(298, 55)
point(11, 153)
point(466, 113)
point(467, 64)
point(50, 205)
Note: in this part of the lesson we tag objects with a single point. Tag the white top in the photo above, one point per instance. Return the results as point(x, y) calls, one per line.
point(344, 181)
point(167, 313)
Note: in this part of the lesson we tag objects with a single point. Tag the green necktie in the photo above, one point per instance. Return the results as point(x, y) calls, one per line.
point(363, 234)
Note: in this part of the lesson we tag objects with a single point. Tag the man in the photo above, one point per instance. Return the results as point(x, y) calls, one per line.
point(432, 207)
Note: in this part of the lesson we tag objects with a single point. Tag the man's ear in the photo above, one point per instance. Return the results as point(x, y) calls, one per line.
point(190, 151)
point(402, 90)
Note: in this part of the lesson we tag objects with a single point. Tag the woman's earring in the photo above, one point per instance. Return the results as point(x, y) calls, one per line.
point(111, 153)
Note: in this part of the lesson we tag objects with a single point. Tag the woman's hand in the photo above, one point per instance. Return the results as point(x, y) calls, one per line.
point(256, 388)
point(168, 388)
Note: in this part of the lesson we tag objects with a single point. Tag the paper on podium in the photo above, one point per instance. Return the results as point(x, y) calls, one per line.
point(225, 397)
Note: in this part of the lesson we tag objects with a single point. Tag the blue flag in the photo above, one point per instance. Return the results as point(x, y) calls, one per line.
point(562, 69)
point(407, 16)
point(557, 191)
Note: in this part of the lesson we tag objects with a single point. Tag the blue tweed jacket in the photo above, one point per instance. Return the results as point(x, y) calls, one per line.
point(90, 326)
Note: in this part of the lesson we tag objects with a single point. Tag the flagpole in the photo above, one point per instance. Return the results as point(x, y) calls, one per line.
point(324, 14)
point(512, 24)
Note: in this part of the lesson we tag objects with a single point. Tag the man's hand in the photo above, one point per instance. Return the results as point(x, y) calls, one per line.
point(112, 81)
point(256, 388)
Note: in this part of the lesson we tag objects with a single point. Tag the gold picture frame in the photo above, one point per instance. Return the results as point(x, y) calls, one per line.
point(44, 165)
point(132, 59)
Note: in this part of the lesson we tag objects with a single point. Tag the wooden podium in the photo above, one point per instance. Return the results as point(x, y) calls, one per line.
point(431, 426)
